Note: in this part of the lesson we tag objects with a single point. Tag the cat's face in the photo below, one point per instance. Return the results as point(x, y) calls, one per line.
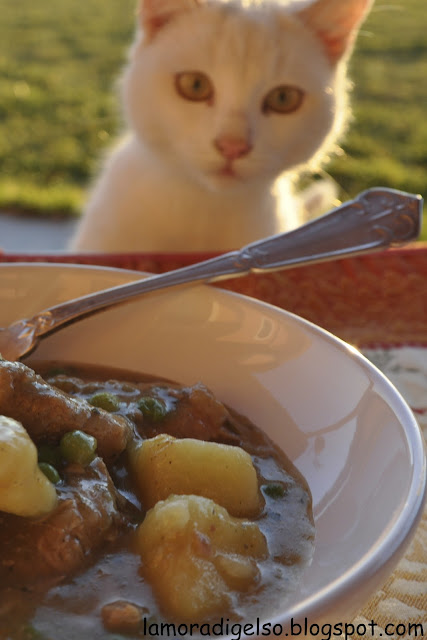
point(231, 95)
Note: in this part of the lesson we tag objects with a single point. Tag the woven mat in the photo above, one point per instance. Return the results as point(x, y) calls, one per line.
point(403, 598)
point(379, 304)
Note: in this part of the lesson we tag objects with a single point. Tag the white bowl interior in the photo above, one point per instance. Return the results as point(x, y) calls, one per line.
point(342, 423)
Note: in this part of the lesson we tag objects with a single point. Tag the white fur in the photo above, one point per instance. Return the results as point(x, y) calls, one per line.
point(161, 189)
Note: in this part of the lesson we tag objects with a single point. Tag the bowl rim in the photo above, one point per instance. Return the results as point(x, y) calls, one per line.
point(389, 548)
point(386, 550)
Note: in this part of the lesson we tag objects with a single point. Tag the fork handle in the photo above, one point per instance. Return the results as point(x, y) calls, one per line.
point(376, 219)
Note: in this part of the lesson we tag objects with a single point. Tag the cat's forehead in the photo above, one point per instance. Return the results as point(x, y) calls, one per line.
point(228, 37)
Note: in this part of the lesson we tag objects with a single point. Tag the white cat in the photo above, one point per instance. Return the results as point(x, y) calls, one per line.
point(221, 98)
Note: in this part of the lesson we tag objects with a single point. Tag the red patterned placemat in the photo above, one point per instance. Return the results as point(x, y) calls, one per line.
point(368, 299)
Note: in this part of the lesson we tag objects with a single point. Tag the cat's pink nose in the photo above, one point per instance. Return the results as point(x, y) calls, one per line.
point(232, 147)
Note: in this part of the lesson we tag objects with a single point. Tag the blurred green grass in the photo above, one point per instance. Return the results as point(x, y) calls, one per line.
point(58, 108)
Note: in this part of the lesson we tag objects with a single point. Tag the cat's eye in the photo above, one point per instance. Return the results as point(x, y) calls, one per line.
point(194, 85)
point(283, 99)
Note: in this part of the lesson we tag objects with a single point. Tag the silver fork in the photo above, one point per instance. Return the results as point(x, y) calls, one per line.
point(376, 219)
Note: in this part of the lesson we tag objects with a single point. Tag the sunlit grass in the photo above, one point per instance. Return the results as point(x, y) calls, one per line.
point(58, 109)
point(59, 62)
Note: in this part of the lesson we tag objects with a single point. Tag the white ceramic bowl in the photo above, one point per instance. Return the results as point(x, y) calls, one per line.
point(347, 428)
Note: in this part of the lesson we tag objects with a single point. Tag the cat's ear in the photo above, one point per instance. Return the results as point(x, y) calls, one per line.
point(154, 14)
point(336, 23)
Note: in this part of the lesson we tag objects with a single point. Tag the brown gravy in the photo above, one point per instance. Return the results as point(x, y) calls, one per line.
point(72, 608)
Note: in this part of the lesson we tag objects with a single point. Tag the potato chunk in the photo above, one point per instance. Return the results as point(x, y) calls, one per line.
point(195, 555)
point(24, 489)
point(165, 465)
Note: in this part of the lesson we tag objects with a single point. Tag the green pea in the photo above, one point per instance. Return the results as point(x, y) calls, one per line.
point(77, 446)
point(152, 408)
point(274, 490)
point(50, 472)
point(104, 400)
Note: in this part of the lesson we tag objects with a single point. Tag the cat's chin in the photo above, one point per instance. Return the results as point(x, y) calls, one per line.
point(225, 179)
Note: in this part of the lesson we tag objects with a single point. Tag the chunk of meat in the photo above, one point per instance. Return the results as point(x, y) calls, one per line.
point(60, 544)
point(190, 411)
point(197, 414)
point(47, 413)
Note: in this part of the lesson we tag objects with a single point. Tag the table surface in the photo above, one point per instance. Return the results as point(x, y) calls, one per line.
point(378, 303)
